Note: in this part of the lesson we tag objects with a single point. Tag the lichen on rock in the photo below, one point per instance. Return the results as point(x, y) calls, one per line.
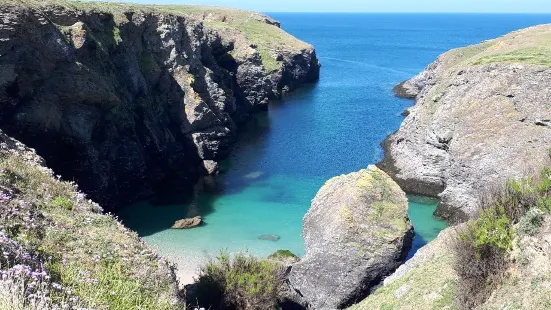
point(357, 231)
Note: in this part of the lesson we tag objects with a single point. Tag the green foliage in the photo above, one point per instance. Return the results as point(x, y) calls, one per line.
point(107, 286)
point(282, 254)
point(531, 222)
point(62, 202)
point(117, 35)
point(535, 56)
point(482, 247)
point(241, 282)
point(492, 229)
point(102, 263)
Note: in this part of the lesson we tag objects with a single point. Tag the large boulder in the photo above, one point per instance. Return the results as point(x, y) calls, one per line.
point(356, 232)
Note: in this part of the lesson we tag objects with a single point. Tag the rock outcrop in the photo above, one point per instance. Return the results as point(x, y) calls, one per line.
point(125, 99)
point(429, 280)
point(187, 223)
point(357, 232)
point(480, 118)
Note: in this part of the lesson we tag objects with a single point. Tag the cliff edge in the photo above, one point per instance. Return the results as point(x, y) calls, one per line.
point(128, 98)
point(482, 116)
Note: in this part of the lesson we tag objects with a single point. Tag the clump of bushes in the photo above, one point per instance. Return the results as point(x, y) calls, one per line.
point(241, 282)
point(483, 245)
point(282, 255)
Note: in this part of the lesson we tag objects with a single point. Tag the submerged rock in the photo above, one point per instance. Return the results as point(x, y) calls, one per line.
point(273, 238)
point(480, 118)
point(187, 223)
point(356, 232)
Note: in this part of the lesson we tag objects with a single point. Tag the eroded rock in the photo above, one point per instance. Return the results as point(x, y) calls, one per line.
point(477, 122)
point(129, 100)
point(357, 231)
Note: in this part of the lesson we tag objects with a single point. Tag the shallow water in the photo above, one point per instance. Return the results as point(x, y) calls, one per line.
point(333, 127)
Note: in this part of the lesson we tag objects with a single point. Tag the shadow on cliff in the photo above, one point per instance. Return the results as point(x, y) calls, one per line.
point(173, 203)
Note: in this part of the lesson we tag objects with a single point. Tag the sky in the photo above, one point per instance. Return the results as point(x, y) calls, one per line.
point(464, 6)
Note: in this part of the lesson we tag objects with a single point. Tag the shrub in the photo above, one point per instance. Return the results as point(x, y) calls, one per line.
point(483, 244)
point(530, 223)
point(282, 254)
point(63, 203)
point(244, 282)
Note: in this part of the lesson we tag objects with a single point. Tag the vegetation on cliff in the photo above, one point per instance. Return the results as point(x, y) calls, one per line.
point(138, 97)
point(501, 260)
point(258, 29)
point(58, 249)
point(241, 282)
point(481, 117)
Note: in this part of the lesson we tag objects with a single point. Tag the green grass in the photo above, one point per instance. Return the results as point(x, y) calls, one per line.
point(528, 46)
point(268, 39)
point(108, 285)
point(429, 286)
point(53, 220)
point(534, 56)
point(63, 203)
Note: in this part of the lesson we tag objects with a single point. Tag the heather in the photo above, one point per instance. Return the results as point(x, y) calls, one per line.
point(58, 251)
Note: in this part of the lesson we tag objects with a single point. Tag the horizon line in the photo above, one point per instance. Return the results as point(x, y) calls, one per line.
point(407, 12)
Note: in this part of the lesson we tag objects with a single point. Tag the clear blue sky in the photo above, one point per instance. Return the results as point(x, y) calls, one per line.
point(478, 6)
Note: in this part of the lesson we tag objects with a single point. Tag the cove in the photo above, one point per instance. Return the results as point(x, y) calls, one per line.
point(333, 127)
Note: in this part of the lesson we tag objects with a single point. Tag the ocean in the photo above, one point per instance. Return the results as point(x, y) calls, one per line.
point(322, 130)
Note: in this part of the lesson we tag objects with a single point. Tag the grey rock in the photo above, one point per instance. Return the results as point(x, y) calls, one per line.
point(187, 223)
point(357, 231)
point(124, 102)
point(473, 125)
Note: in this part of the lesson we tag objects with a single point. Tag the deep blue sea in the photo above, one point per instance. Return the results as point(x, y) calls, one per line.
point(330, 128)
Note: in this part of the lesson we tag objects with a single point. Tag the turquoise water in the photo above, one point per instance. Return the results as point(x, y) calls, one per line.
point(333, 127)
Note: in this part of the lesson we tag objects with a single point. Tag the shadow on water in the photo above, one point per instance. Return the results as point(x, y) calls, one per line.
point(169, 205)
point(418, 242)
point(426, 225)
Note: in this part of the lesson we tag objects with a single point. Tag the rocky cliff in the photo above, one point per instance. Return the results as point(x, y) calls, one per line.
point(356, 232)
point(482, 115)
point(125, 98)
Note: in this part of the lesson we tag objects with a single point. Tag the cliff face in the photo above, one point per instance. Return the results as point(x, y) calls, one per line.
point(482, 116)
point(125, 98)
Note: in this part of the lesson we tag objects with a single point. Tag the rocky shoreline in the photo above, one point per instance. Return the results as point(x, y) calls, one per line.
point(477, 122)
point(128, 99)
